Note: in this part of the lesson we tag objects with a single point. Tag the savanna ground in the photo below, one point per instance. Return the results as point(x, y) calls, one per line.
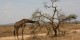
point(72, 32)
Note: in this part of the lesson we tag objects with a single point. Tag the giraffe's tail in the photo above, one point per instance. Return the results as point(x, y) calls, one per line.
point(14, 33)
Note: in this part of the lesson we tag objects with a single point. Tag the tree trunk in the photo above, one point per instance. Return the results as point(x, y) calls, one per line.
point(56, 32)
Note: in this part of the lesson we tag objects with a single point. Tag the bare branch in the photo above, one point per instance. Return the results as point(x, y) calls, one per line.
point(54, 0)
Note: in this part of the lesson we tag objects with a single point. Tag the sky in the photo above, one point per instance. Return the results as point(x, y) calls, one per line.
point(12, 11)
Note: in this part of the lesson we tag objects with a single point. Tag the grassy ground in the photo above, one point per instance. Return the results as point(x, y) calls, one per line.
point(72, 36)
point(7, 30)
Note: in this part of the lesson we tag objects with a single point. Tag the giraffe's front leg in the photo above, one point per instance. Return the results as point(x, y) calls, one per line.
point(23, 27)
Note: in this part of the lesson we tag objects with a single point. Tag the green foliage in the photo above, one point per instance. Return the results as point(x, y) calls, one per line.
point(71, 17)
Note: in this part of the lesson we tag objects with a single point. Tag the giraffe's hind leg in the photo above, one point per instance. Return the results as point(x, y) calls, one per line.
point(17, 33)
point(14, 34)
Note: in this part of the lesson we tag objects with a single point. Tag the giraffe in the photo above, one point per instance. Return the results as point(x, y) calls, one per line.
point(21, 24)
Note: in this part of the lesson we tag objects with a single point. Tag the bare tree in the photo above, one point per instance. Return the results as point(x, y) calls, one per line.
point(61, 18)
point(55, 11)
point(38, 15)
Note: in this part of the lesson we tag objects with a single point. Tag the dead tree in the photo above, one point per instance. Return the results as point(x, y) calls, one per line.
point(55, 27)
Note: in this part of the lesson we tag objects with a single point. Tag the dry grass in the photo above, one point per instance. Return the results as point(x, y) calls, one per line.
point(7, 30)
point(72, 36)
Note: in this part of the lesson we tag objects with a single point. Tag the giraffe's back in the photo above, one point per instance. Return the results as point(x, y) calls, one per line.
point(19, 24)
